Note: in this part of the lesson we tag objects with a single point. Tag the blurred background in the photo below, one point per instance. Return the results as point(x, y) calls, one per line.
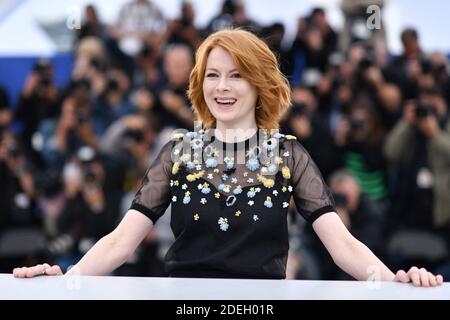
point(91, 90)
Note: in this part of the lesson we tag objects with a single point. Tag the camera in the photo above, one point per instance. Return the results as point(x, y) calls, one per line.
point(356, 124)
point(42, 68)
point(81, 116)
point(15, 150)
point(422, 110)
point(112, 85)
point(340, 199)
point(134, 134)
point(299, 109)
point(91, 179)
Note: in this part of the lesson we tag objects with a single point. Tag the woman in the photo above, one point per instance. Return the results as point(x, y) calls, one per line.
point(230, 183)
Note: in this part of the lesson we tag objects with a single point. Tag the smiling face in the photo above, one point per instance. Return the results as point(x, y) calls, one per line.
point(230, 98)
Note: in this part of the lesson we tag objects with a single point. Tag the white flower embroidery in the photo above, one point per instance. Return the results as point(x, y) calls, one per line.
point(251, 202)
point(200, 186)
point(210, 176)
point(198, 167)
point(286, 154)
point(258, 189)
point(290, 188)
point(255, 217)
point(234, 180)
point(250, 180)
point(184, 186)
point(203, 201)
point(275, 193)
point(174, 199)
point(285, 204)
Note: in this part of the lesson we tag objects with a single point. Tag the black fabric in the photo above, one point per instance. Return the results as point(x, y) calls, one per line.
point(231, 221)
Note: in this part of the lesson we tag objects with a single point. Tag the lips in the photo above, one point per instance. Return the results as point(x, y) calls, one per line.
point(225, 102)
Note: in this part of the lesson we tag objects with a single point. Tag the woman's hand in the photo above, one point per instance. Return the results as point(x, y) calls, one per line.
point(419, 277)
point(37, 270)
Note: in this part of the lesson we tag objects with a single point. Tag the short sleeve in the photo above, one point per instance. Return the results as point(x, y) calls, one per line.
point(153, 196)
point(312, 196)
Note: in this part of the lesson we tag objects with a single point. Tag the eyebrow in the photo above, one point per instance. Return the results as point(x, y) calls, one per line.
point(214, 69)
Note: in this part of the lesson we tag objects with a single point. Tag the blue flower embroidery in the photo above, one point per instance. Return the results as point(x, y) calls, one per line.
point(278, 135)
point(206, 190)
point(251, 194)
point(211, 162)
point(252, 164)
point(223, 224)
point(268, 203)
point(230, 165)
point(237, 191)
point(190, 165)
point(224, 177)
point(186, 200)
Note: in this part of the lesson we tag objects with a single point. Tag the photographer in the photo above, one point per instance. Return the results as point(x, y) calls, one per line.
point(304, 122)
point(363, 217)
point(419, 150)
point(359, 137)
point(74, 128)
point(21, 238)
point(38, 101)
point(91, 207)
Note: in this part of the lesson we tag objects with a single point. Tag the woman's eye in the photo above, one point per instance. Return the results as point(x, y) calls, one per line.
point(236, 75)
point(211, 75)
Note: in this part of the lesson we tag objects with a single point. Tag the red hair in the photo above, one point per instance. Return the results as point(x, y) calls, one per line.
point(256, 63)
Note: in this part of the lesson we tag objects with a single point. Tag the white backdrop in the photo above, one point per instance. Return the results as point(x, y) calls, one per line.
point(21, 35)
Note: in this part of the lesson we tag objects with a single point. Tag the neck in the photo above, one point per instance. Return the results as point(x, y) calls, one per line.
point(234, 133)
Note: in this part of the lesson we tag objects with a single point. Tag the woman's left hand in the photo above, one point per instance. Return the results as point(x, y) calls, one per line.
point(419, 277)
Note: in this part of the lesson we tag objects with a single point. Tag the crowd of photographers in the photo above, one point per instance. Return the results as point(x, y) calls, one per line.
point(377, 126)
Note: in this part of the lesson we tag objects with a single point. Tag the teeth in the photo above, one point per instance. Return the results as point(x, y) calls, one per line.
point(226, 101)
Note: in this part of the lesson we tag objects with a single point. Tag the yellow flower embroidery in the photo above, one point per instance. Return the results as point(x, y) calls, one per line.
point(217, 195)
point(238, 213)
point(196, 217)
point(185, 157)
point(175, 167)
point(187, 194)
point(194, 176)
point(176, 183)
point(278, 160)
point(290, 137)
point(245, 174)
point(268, 183)
point(286, 172)
point(284, 189)
point(216, 170)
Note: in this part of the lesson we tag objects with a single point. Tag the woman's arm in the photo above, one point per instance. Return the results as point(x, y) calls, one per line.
point(357, 260)
point(107, 254)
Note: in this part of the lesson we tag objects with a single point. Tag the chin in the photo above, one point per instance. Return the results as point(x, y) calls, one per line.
point(225, 117)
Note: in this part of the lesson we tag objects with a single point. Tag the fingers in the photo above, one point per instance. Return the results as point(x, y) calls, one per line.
point(414, 275)
point(424, 280)
point(37, 270)
point(401, 276)
point(54, 271)
point(432, 279)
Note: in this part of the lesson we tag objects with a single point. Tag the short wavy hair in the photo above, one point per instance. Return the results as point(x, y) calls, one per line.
point(256, 63)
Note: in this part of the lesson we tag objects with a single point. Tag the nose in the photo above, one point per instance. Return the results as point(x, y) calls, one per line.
point(223, 84)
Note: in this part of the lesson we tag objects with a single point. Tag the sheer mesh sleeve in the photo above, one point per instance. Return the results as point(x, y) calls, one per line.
point(311, 195)
point(153, 197)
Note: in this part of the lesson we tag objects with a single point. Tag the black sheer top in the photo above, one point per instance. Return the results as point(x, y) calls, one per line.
point(230, 202)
